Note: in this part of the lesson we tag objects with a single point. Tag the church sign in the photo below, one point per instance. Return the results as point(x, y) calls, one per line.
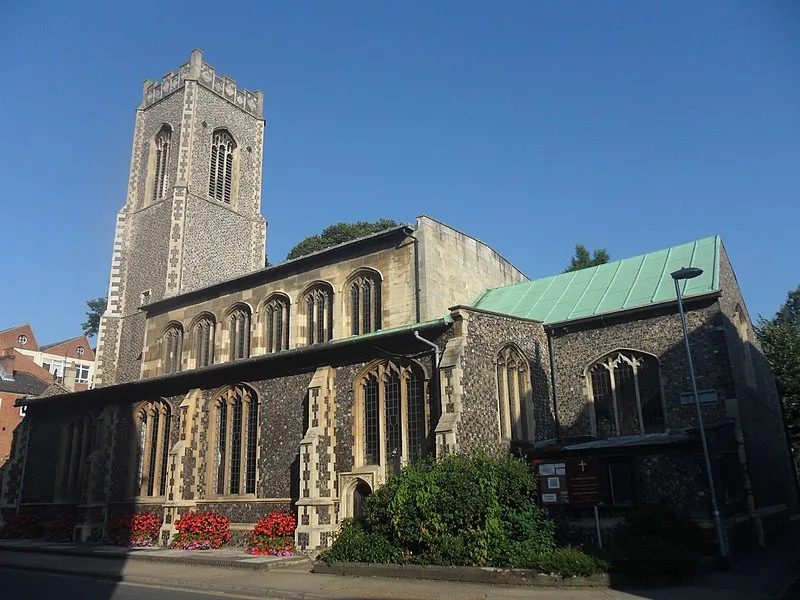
point(570, 482)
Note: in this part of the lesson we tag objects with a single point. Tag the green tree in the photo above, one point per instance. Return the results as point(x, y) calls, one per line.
point(338, 234)
point(584, 259)
point(780, 340)
point(96, 308)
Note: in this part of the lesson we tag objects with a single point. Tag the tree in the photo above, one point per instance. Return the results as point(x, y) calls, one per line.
point(338, 234)
point(780, 340)
point(583, 259)
point(96, 309)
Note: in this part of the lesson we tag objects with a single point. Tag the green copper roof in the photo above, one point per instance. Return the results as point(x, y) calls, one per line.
point(620, 285)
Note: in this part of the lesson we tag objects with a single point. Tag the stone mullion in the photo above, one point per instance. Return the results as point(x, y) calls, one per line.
point(638, 396)
point(226, 458)
point(243, 443)
point(159, 441)
point(613, 381)
point(405, 448)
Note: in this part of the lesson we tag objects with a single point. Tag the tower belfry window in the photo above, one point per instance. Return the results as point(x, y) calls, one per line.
point(220, 182)
point(162, 143)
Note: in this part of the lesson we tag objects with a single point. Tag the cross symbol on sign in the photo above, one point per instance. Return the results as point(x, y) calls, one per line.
point(582, 465)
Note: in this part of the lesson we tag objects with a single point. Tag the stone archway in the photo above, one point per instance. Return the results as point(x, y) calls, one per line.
point(360, 493)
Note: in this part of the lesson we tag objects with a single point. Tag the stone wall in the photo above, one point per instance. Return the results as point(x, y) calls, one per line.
point(578, 346)
point(456, 268)
point(486, 334)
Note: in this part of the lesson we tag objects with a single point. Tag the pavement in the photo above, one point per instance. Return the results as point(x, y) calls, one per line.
point(769, 575)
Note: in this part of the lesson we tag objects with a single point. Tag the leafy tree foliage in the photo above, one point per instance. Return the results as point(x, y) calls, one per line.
point(338, 234)
point(780, 341)
point(584, 259)
point(96, 309)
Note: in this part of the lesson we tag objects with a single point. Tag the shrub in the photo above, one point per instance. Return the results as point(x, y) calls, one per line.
point(61, 528)
point(656, 544)
point(459, 510)
point(201, 531)
point(568, 562)
point(139, 529)
point(273, 535)
point(355, 544)
point(23, 526)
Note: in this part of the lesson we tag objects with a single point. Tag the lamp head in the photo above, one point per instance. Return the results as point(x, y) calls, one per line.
point(687, 273)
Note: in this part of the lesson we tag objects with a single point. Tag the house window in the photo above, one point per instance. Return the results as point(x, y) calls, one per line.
point(318, 304)
point(626, 389)
point(235, 425)
point(153, 426)
point(276, 324)
point(22, 340)
point(81, 373)
point(171, 348)
point(77, 440)
point(204, 342)
point(80, 350)
point(514, 396)
point(364, 301)
point(394, 419)
point(239, 333)
point(161, 145)
point(220, 182)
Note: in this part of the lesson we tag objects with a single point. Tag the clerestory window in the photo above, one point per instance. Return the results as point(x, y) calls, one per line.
point(276, 324)
point(204, 341)
point(318, 304)
point(365, 302)
point(239, 333)
point(626, 389)
point(172, 346)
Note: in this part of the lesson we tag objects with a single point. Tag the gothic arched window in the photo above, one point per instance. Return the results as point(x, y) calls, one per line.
point(394, 415)
point(235, 431)
point(515, 399)
point(171, 348)
point(318, 304)
point(276, 323)
point(239, 333)
point(626, 389)
point(153, 427)
point(77, 440)
point(220, 181)
point(161, 147)
point(204, 341)
point(364, 302)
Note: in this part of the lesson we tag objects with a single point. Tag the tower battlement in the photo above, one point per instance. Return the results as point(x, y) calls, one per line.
point(202, 72)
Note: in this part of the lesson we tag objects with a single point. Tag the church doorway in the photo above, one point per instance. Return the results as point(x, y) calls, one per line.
point(360, 498)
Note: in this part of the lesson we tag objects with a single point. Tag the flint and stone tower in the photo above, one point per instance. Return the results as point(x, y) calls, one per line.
point(193, 212)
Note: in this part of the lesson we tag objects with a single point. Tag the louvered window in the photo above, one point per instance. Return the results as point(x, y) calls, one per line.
point(220, 182)
point(161, 144)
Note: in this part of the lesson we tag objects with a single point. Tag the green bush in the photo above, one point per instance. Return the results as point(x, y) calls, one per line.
point(568, 562)
point(460, 510)
point(656, 544)
point(354, 544)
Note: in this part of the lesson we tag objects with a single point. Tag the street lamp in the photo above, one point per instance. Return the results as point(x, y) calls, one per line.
point(678, 276)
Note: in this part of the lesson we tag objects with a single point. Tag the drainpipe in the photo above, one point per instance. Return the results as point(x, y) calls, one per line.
point(551, 346)
point(417, 306)
point(435, 373)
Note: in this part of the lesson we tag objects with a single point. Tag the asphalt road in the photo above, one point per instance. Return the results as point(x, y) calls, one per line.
point(30, 585)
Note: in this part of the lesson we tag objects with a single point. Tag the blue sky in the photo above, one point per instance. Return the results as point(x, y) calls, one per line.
point(529, 125)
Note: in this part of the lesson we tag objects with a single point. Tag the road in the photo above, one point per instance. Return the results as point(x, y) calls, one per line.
point(31, 585)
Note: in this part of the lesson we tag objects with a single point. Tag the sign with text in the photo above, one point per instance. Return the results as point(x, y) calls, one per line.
point(572, 482)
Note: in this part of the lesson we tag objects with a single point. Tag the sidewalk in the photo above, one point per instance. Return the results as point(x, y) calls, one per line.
point(762, 577)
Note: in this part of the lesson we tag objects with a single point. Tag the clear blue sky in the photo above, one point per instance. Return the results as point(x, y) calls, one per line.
point(529, 125)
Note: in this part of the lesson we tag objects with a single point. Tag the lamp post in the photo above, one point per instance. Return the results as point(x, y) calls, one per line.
point(678, 276)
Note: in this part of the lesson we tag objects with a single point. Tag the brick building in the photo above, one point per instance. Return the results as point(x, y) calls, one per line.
point(228, 386)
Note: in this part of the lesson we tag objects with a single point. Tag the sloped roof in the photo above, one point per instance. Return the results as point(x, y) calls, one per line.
point(625, 284)
point(23, 383)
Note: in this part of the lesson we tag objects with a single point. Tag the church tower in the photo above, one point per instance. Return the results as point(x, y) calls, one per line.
point(193, 211)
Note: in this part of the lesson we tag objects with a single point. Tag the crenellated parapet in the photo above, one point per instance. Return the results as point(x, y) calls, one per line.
point(197, 70)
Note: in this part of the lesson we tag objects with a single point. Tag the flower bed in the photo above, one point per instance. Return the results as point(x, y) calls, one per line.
point(23, 526)
point(137, 530)
point(202, 531)
point(273, 535)
point(61, 528)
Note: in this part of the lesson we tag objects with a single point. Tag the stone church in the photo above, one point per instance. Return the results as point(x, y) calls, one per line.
point(223, 384)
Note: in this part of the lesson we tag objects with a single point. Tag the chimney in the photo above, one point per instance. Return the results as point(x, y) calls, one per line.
point(7, 364)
